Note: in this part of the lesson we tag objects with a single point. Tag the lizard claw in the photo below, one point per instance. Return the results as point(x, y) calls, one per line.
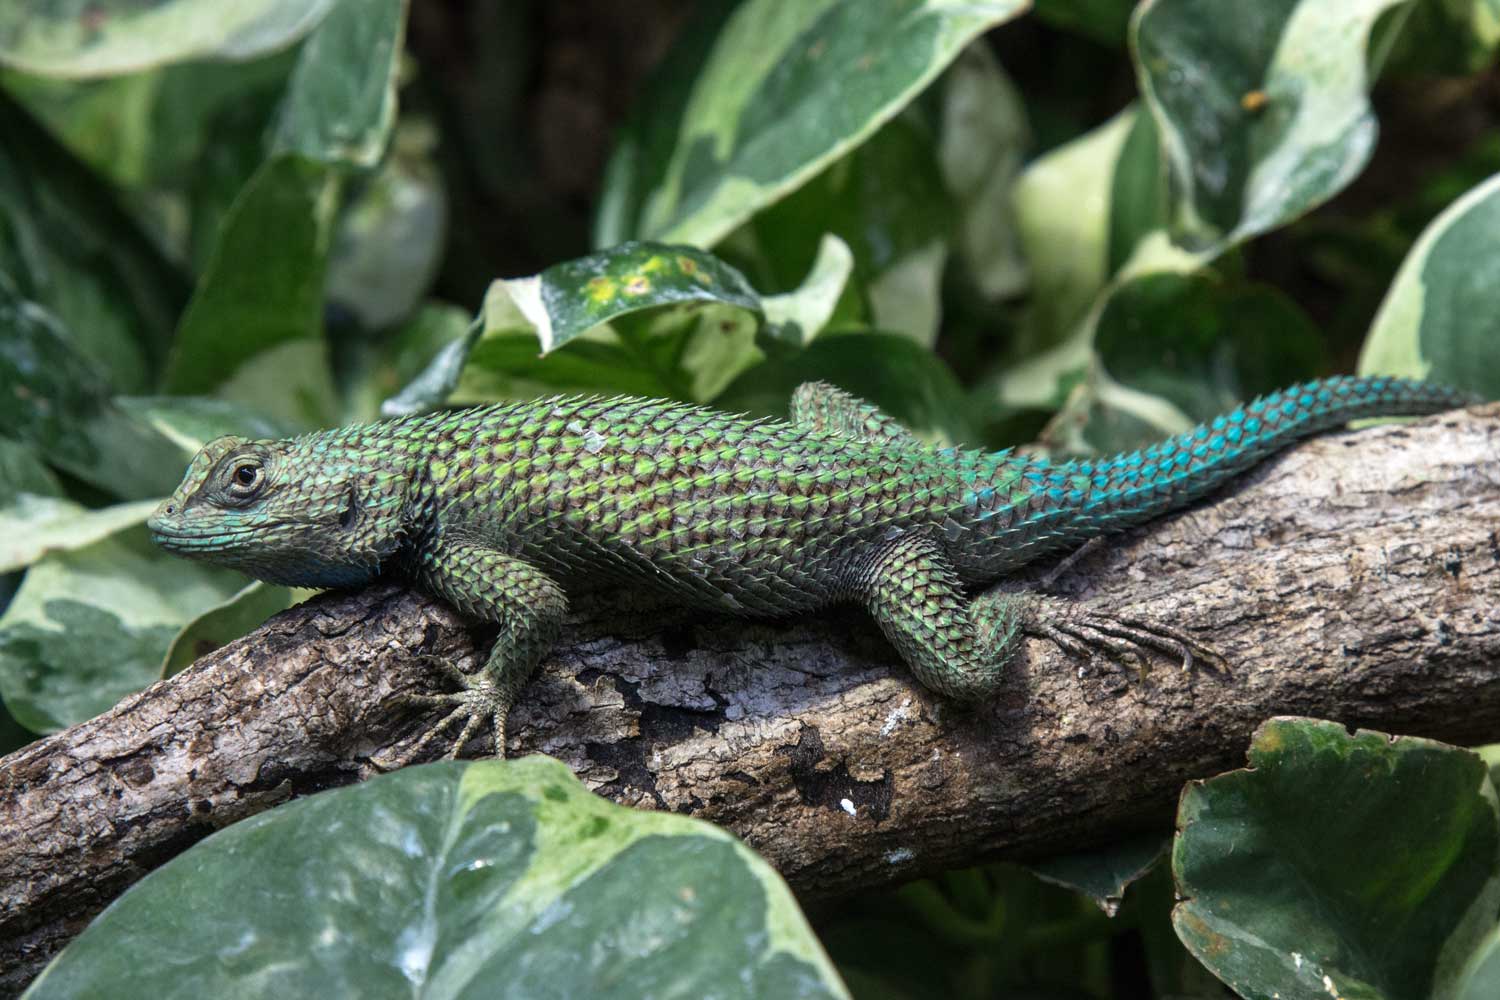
point(477, 702)
point(1125, 637)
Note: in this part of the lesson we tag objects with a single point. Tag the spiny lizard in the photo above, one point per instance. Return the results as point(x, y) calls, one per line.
point(501, 509)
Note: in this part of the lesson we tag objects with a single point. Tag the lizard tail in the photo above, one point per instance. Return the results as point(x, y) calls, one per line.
point(1142, 484)
point(1066, 504)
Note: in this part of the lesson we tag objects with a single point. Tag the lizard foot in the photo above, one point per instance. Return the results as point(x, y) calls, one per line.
point(1081, 633)
point(477, 702)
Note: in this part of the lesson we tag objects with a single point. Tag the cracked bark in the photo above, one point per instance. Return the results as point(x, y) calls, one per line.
point(1355, 578)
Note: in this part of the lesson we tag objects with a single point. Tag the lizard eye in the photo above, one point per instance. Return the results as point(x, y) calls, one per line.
point(245, 479)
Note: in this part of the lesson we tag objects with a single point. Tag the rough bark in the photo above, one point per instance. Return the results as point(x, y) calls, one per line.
point(1356, 578)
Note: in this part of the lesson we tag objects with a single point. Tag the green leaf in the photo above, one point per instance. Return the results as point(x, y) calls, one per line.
point(32, 526)
point(22, 472)
point(251, 300)
point(192, 421)
point(156, 129)
point(484, 879)
point(58, 401)
point(1104, 874)
point(511, 366)
point(340, 104)
point(889, 202)
point(1080, 259)
point(1481, 978)
point(1067, 251)
point(681, 318)
point(1138, 191)
point(1441, 317)
point(776, 94)
point(91, 625)
point(412, 356)
point(390, 238)
point(1177, 349)
point(110, 37)
point(798, 315)
point(983, 138)
point(892, 371)
point(223, 623)
point(1339, 865)
point(1262, 107)
point(1104, 21)
point(68, 246)
point(568, 299)
point(1446, 38)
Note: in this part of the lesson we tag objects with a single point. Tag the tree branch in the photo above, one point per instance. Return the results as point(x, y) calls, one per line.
point(1356, 578)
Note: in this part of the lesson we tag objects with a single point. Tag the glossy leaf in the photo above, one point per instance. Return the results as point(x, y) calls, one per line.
point(1339, 865)
point(1063, 203)
point(250, 301)
point(798, 315)
point(1104, 874)
point(91, 625)
point(568, 299)
point(340, 104)
point(638, 318)
point(485, 879)
point(32, 526)
point(59, 402)
point(390, 238)
point(1481, 978)
point(888, 201)
point(1441, 317)
point(68, 246)
point(1262, 107)
point(110, 37)
point(776, 94)
point(1176, 349)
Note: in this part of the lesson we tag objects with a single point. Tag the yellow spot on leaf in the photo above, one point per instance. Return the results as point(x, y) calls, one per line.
point(1254, 101)
point(689, 267)
point(601, 289)
point(637, 284)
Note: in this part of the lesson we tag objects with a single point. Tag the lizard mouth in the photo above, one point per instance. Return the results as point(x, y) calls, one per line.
point(179, 539)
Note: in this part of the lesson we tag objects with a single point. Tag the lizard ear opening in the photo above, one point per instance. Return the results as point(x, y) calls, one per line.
point(349, 512)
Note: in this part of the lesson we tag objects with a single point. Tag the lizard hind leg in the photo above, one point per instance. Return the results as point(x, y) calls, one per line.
point(961, 647)
point(956, 646)
point(819, 406)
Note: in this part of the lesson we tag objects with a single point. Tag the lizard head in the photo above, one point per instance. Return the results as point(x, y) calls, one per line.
point(301, 512)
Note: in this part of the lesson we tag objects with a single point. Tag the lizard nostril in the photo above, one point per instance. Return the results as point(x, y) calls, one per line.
point(170, 508)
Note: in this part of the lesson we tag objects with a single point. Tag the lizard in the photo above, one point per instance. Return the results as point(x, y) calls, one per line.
point(502, 509)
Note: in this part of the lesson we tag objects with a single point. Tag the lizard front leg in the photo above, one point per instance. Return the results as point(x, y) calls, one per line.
point(526, 603)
